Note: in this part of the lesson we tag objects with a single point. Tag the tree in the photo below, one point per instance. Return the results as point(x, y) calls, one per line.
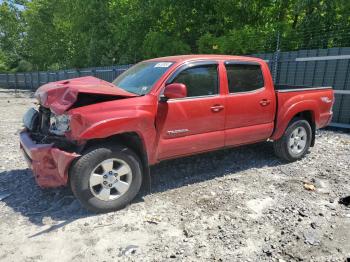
point(56, 34)
point(159, 44)
point(11, 35)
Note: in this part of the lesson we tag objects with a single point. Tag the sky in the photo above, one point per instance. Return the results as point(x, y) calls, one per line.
point(18, 6)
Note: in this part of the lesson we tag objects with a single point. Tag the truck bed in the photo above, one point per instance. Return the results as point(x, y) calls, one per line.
point(295, 99)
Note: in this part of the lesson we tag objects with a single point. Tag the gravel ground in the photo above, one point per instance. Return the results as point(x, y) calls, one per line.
point(241, 204)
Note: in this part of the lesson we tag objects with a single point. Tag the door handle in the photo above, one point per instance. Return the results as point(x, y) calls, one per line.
point(217, 108)
point(265, 102)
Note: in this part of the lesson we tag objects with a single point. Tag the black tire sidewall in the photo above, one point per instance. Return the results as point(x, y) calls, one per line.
point(80, 176)
point(295, 124)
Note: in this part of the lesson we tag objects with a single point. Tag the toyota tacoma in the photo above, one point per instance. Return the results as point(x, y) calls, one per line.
point(100, 138)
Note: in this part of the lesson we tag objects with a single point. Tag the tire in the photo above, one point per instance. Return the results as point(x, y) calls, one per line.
point(291, 148)
point(117, 169)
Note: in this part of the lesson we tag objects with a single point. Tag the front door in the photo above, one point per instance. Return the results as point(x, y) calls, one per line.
point(195, 123)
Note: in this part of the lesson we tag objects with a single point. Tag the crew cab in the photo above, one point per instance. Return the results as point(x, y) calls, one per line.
point(100, 138)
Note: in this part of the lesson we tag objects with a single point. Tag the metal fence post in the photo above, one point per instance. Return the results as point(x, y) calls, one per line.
point(114, 72)
point(16, 83)
point(7, 80)
point(25, 80)
point(276, 58)
point(31, 81)
point(38, 81)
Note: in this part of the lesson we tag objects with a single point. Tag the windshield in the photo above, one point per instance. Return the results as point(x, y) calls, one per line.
point(140, 78)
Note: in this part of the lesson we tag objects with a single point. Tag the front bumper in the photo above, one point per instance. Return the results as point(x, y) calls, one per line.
point(49, 164)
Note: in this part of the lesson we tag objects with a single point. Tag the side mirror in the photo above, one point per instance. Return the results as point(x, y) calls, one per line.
point(175, 90)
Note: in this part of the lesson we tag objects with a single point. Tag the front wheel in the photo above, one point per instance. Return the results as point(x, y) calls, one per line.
point(106, 179)
point(295, 141)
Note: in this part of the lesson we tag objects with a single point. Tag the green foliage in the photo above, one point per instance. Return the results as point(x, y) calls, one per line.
point(3, 66)
point(24, 66)
point(56, 34)
point(11, 35)
point(240, 41)
point(159, 44)
point(208, 44)
point(54, 67)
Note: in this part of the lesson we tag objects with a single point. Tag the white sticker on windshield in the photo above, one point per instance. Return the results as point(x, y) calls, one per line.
point(163, 64)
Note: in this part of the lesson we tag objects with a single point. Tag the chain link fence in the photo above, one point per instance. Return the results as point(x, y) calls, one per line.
point(314, 67)
point(32, 80)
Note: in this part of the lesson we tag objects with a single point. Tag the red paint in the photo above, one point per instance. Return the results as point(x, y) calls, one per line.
point(50, 165)
point(250, 116)
point(292, 103)
point(61, 95)
point(175, 90)
point(175, 128)
point(205, 127)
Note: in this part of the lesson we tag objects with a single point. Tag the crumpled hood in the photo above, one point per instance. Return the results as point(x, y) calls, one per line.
point(61, 95)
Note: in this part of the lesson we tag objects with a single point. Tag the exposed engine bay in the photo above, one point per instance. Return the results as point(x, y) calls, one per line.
point(46, 128)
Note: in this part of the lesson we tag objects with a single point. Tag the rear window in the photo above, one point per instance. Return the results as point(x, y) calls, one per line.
point(244, 77)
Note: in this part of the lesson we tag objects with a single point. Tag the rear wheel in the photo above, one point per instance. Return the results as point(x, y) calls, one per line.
point(295, 141)
point(106, 179)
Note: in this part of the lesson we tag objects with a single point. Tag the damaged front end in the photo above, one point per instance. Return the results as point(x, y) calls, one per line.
point(49, 164)
point(46, 142)
point(48, 153)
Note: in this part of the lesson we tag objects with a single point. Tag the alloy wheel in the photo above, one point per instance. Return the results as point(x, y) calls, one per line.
point(110, 179)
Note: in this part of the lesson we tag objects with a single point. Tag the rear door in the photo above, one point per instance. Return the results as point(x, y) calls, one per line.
point(195, 123)
point(250, 104)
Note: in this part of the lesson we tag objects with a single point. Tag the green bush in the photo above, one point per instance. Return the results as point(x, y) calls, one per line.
point(24, 66)
point(158, 44)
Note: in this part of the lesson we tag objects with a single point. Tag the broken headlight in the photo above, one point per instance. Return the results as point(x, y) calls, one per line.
point(59, 124)
point(31, 119)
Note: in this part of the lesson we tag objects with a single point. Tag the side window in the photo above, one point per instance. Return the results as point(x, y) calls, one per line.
point(200, 80)
point(244, 77)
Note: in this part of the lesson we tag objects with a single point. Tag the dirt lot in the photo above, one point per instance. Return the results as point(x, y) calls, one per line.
point(241, 204)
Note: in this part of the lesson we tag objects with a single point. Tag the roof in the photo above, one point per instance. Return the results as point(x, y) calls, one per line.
point(184, 58)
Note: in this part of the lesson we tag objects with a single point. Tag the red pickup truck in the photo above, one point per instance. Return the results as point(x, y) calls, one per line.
point(101, 137)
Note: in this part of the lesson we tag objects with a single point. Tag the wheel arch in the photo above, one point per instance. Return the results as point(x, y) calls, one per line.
point(309, 116)
point(307, 110)
point(133, 141)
